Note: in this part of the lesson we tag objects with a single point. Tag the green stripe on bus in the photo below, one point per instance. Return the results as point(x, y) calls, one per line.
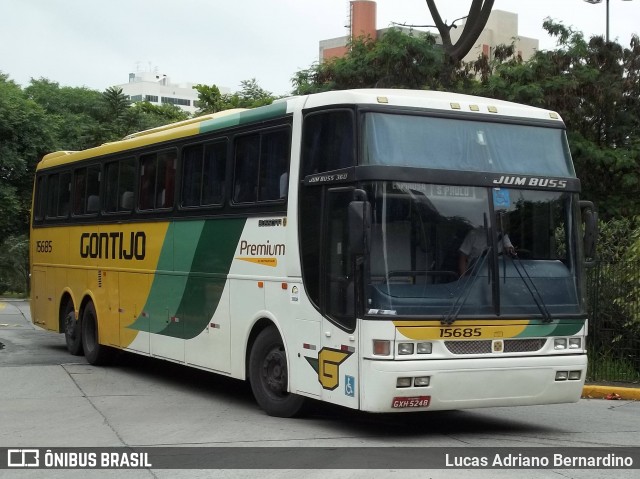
point(249, 116)
point(538, 328)
point(181, 305)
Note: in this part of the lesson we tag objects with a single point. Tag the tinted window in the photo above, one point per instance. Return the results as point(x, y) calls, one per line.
point(58, 195)
point(327, 142)
point(119, 187)
point(157, 180)
point(261, 166)
point(38, 211)
point(203, 174)
point(86, 190)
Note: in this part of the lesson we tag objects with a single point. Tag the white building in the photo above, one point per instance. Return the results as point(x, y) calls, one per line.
point(501, 29)
point(158, 89)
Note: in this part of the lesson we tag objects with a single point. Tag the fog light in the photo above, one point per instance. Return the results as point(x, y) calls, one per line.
point(575, 343)
point(560, 343)
point(421, 382)
point(562, 375)
point(574, 375)
point(405, 348)
point(381, 347)
point(424, 348)
point(403, 383)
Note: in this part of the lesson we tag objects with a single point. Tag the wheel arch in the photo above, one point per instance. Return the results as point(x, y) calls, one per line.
point(262, 323)
point(86, 299)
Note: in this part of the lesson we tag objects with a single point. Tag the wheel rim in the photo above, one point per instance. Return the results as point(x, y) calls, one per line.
point(274, 373)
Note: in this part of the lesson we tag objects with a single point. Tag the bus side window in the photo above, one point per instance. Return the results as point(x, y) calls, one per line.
point(120, 180)
point(274, 163)
point(79, 191)
point(247, 160)
point(86, 190)
point(192, 175)
point(65, 194)
point(53, 183)
point(327, 142)
point(58, 194)
point(38, 213)
point(147, 191)
point(214, 173)
point(166, 179)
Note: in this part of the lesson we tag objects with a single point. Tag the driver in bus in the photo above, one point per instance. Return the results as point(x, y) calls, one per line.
point(475, 243)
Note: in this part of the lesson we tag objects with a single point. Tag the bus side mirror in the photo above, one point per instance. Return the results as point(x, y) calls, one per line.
point(359, 226)
point(590, 239)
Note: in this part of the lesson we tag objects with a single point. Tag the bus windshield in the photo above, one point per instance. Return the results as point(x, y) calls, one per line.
point(445, 251)
point(444, 143)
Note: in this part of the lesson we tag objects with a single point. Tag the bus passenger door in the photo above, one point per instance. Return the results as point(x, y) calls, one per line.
point(338, 358)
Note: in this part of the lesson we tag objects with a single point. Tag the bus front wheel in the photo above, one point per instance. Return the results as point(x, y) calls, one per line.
point(268, 374)
point(72, 330)
point(95, 352)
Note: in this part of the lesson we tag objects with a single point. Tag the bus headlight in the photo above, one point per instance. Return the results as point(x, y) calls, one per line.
point(405, 348)
point(560, 343)
point(424, 348)
point(562, 375)
point(575, 343)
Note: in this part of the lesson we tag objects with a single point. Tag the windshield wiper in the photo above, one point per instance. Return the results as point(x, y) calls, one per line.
point(472, 277)
point(535, 294)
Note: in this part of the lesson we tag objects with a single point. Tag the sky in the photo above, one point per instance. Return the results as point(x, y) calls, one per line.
point(96, 44)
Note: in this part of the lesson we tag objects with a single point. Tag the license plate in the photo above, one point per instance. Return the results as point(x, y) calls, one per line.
point(414, 401)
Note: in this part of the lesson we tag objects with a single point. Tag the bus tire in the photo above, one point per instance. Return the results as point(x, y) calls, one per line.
point(269, 376)
point(72, 330)
point(96, 353)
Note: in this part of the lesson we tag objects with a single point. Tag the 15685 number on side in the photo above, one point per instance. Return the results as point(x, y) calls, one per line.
point(44, 246)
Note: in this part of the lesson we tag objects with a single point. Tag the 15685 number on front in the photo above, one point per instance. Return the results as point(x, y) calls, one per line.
point(460, 332)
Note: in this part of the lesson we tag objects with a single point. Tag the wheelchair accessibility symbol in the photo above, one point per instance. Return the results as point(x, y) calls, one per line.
point(350, 386)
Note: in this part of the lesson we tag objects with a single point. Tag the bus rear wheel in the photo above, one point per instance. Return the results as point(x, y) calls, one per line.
point(96, 353)
point(72, 330)
point(269, 376)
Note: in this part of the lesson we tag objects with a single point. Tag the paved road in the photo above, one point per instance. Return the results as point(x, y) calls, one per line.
point(51, 399)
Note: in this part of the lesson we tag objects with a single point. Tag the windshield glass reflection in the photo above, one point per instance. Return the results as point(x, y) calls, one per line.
point(438, 250)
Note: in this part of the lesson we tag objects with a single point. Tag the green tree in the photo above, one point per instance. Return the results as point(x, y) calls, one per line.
point(396, 60)
point(144, 115)
point(25, 136)
point(14, 263)
point(76, 114)
point(116, 115)
point(251, 95)
point(209, 99)
point(595, 87)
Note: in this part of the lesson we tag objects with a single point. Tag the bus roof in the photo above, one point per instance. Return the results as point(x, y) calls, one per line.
point(431, 100)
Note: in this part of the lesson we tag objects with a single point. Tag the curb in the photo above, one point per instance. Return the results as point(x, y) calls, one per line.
point(610, 392)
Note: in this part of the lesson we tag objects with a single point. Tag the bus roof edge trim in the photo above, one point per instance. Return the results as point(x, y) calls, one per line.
point(199, 119)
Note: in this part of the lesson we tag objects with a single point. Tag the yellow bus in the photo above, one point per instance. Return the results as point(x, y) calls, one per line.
point(384, 250)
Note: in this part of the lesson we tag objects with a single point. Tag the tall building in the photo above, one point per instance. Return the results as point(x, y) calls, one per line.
point(501, 28)
point(158, 89)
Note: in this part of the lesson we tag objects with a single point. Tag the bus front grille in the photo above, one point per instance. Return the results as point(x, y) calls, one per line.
point(485, 346)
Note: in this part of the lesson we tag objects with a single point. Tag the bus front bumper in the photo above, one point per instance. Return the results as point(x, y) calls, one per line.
point(471, 383)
